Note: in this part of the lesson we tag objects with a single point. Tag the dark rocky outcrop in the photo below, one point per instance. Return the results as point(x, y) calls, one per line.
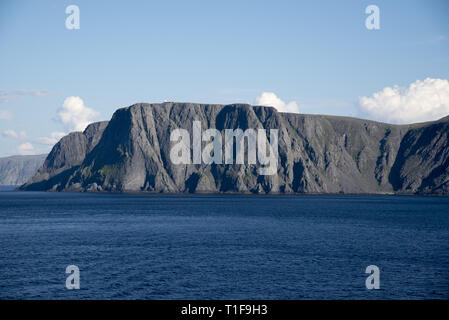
point(317, 154)
point(65, 157)
point(422, 163)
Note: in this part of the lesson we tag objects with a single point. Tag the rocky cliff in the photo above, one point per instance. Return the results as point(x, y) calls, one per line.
point(17, 170)
point(317, 154)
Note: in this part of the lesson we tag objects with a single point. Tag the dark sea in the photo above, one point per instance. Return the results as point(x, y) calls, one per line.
point(222, 246)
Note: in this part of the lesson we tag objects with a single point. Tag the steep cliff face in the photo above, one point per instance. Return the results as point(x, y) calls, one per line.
point(65, 157)
point(16, 170)
point(317, 154)
point(422, 164)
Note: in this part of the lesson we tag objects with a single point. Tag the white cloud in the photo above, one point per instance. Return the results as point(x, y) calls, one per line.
point(75, 115)
point(13, 134)
point(421, 101)
point(52, 139)
point(5, 115)
point(6, 95)
point(26, 149)
point(271, 100)
point(434, 40)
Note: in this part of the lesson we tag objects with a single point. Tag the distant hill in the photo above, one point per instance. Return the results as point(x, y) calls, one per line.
point(317, 154)
point(16, 170)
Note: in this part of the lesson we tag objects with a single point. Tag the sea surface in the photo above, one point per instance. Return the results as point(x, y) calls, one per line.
point(222, 246)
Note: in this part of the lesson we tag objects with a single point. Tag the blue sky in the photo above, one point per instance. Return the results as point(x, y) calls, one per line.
point(316, 53)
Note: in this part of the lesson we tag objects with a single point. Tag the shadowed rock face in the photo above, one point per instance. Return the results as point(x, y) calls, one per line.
point(422, 163)
point(65, 157)
point(317, 154)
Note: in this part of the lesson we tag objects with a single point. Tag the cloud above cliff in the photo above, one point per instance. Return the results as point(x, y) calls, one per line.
point(52, 139)
point(26, 149)
point(271, 100)
point(74, 115)
point(13, 134)
point(421, 101)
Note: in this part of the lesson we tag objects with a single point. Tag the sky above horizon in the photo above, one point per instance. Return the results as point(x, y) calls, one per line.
point(300, 56)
